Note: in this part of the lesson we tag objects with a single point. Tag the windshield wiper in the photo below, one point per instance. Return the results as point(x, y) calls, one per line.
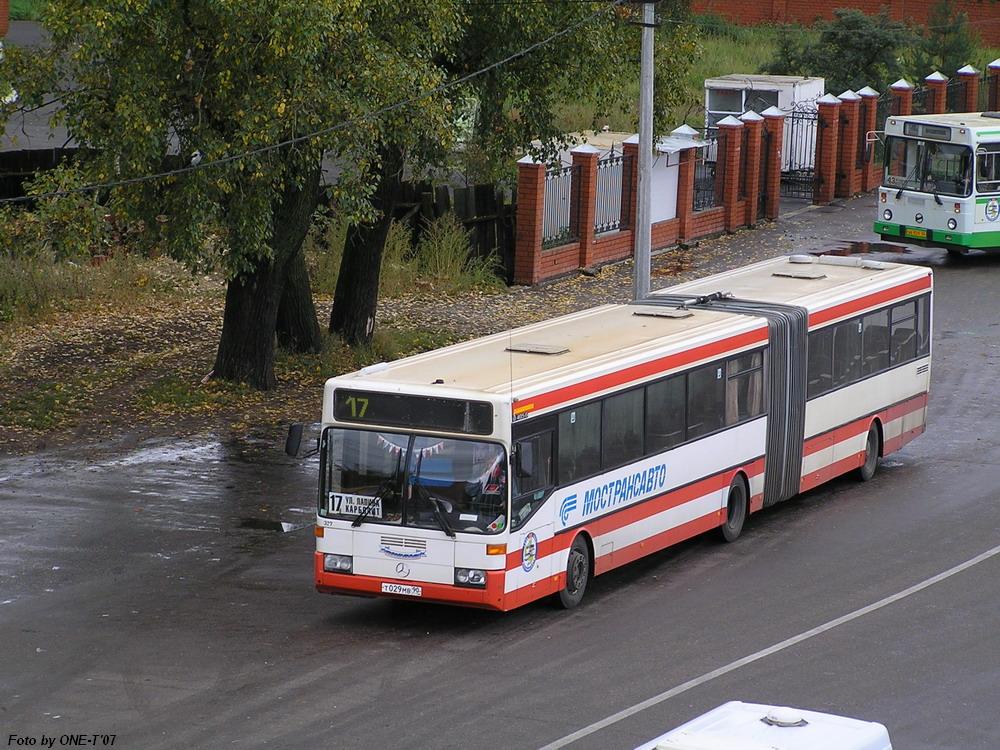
point(937, 198)
point(434, 501)
point(910, 176)
point(380, 494)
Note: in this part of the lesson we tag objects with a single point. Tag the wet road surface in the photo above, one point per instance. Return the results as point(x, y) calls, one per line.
point(156, 595)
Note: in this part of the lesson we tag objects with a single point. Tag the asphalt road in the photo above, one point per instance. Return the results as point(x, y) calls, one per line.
point(151, 595)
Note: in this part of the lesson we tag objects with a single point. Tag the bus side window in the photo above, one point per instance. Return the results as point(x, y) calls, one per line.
point(622, 425)
point(875, 342)
point(923, 326)
point(579, 442)
point(666, 413)
point(533, 475)
point(846, 352)
point(706, 399)
point(744, 387)
point(903, 323)
point(820, 366)
point(988, 168)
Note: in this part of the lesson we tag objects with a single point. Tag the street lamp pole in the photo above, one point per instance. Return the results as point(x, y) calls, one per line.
point(643, 225)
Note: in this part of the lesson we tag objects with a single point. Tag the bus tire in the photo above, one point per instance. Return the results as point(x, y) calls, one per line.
point(737, 505)
point(873, 447)
point(577, 574)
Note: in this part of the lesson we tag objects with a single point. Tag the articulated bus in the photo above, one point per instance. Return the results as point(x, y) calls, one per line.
point(941, 182)
point(517, 466)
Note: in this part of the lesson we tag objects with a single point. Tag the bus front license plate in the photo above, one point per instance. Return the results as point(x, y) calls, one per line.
point(398, 588)
point(917, 234)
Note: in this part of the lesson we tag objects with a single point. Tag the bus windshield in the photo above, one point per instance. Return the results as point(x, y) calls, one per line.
point(414, 480)
point(928, 166)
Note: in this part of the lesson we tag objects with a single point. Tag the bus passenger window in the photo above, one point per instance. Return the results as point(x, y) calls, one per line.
point(744, 387)
point(904, 333)
point(706, 399)
point(665, 414)
point(579, 442)
point(846, 352)
point(875, 342)
point(622, 425)
point(923, 326)
point(820, 367)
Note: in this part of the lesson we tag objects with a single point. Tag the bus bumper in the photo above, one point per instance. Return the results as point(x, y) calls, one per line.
point(489, 597)
point(937, 237)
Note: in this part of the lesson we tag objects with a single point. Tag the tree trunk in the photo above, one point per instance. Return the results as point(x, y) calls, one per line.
point(297, 326)
point(356, 297)
point(246, 348)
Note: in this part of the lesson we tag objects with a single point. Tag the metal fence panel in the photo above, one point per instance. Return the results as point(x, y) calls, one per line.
point(709, 176)
point(955, 95)
point(921, 100)
point(798, 167)
point(609, 209)
point(558, 218)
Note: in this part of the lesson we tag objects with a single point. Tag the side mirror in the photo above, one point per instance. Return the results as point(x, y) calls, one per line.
point(294, 439)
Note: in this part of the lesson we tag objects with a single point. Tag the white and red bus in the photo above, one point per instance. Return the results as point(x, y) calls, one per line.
point(517, 466)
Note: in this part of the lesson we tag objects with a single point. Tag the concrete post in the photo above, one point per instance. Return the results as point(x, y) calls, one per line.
point(902, 97)
point(584, 197)
point(937, 82)
point(754, 125)
point(848, 170)
point(774, 124)
point(868, 123)
point(827, 138)
point(530, 205)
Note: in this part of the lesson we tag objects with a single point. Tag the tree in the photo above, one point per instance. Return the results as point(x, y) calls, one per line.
point(148, 85)
point(515, 106)
point(851, 51)
point(948, 42)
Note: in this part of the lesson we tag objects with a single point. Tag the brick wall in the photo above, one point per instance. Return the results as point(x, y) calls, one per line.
point(985, 16)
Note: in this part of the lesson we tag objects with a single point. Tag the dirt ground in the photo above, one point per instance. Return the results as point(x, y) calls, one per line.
point(113, 375)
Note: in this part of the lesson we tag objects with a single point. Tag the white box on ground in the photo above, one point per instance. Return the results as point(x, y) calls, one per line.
point(751, 726)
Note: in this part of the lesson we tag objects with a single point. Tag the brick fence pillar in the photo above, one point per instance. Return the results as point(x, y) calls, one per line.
point(729, 154)
point(4, 18)
point(685, 191)
point(969, 77)
point(937, 82)
point(528, 238)
point(754, 125)
point(827, 137)
point(630, 185)
point(902, 97)
point(584, 197)
point(774, 124)
point(848, 172)
point(993, 85)
point(868, 123)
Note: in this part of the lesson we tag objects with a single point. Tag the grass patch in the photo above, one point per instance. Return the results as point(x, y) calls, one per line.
point(46, 406)
point(26, 10)
point(175, 394)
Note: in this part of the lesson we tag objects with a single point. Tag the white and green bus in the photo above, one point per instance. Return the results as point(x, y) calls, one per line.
point(941, 181)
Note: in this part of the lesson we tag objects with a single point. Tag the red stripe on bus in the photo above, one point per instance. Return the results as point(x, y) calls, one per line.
point(860, 425)
point(645, 370)
point(846, 309)
point(643, 510)
point(656, 542)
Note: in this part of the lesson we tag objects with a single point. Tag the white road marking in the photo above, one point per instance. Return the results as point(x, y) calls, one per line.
point(787, 643)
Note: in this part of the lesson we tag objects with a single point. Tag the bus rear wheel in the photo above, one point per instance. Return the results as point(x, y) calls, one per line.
point(577, 574)
point(736, 511)
point(873, 446)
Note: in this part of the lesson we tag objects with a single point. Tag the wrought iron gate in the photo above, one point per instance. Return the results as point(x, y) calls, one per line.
point(798, 160)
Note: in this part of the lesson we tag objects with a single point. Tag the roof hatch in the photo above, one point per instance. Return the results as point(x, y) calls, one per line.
point(529, 348)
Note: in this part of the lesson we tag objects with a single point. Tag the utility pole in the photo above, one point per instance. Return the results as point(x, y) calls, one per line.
point(643, 226)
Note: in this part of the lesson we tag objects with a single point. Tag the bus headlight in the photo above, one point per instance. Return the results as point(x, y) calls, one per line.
point(887, 215)
point(470, 577)
point(952, 224)
point(338, 563)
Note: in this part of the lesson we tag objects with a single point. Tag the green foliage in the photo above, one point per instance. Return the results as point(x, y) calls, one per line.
point(25, 10)
point(224, 77)
point(948, 43)
point(851, 51)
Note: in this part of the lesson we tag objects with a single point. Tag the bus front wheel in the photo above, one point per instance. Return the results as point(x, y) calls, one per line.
point(873, 446)
point(577, 574)
point(736, 511)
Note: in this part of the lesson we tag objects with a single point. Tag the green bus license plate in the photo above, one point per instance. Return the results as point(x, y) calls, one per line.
point(917, 234)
